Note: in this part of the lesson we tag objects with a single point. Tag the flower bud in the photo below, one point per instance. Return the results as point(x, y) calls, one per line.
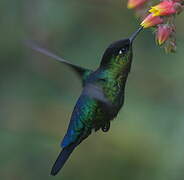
point(179, 8)
point(170, 47)
point(135, 3)
point(163, 33)
point(165, 8)
point(151, 20)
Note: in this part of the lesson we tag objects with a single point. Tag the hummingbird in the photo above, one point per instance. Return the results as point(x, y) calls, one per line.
point(101, 98)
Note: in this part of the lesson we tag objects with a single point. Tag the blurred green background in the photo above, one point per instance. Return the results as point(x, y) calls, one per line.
point(37, 94)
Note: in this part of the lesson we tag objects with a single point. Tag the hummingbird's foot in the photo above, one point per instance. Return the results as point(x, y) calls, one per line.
point(106, 127)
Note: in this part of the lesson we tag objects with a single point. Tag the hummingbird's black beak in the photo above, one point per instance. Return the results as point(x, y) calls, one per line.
point(134, 35)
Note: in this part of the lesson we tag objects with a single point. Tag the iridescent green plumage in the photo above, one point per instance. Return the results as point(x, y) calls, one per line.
point(116, 74)
point(102, 96)
point(101, 99)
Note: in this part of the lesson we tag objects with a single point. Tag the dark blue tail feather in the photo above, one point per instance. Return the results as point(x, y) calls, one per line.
point(62, 158)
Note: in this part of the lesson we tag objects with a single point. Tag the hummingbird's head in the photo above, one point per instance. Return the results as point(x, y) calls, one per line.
point(120, 50)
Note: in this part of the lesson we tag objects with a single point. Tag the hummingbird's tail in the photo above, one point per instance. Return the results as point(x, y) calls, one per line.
point(62, 158)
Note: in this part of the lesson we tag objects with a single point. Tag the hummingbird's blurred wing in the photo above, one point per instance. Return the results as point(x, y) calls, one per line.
point(97, 93)
point(83, 73)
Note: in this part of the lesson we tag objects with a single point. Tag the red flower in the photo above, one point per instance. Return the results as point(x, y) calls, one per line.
point(151, 20)
point(135, 3)
point(165, 8)
point(163, 33)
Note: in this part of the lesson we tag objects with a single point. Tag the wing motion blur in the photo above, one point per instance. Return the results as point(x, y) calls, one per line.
point(81, 72)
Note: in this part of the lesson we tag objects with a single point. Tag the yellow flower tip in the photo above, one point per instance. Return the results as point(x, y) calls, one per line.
point(160, 42)
point(144, 25)
point(154, 11)
point(130, 5)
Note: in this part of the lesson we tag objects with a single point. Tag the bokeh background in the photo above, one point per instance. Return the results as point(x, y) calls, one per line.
point(37, 94)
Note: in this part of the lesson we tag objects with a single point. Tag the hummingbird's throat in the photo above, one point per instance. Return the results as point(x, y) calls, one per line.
point(119, 66)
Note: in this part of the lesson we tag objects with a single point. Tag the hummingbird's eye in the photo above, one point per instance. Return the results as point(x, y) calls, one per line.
point(120, 52)
point(123, 50)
